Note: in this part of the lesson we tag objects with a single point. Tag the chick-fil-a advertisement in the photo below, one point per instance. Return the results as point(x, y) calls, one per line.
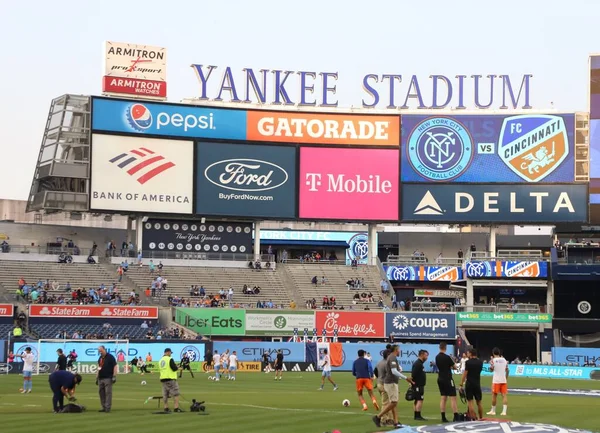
point(349, 184)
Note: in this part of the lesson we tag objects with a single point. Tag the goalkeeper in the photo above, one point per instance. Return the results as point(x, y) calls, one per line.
point(184, 364)
point(62, 384)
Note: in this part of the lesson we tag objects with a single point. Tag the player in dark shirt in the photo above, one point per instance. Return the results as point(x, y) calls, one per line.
point(279, 365)
point(419, 379)
point(471, 380)
point(184, 364)
point(61, 362)
point(445, 364)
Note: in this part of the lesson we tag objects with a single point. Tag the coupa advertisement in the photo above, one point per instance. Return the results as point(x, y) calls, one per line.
point(488, 148)
point(514, 203)
point(506, 269)
point(421, 326)
point(246, 180)
point(423, 273)
point(173, 120)
point(349, 184)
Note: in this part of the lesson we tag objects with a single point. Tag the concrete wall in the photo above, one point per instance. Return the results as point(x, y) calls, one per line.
point(192, 263)
point(42, 257)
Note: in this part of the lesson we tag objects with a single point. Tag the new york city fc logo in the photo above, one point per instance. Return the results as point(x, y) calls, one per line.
point(440, 149)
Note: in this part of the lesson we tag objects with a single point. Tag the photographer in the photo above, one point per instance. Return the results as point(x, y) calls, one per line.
point(168, 378)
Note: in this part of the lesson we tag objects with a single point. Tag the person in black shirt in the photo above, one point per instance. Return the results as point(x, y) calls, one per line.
point(266, 362)
point(106, 377)
point(61, 362)
point(279, 365)
point(208, 359)
point(472, 378)
point(419, 379)
point(184, 364)
point(445, 364)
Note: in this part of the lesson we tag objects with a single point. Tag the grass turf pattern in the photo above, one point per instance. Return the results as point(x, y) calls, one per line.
point(257, 403)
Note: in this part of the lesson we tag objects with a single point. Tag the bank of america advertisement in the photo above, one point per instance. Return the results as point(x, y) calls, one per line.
point(463, 203)
point(536, 148)
point(141, 174)
point(246, 180)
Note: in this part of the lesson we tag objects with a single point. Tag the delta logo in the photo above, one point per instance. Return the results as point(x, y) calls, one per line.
point(138, 117)
point(533, 146)
point(445, 273)
point(522, 270)
point(142, 163)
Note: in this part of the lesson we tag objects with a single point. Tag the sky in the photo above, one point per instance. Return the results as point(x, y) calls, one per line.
point(53, 48)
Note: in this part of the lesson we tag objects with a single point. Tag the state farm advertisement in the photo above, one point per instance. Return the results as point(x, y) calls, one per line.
point(93, 311)
point(7, 310)
point(351, 323)
point(314, 128)
point(349, 184)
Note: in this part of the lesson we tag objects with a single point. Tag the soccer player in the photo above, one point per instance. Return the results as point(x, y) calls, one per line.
point(362, 369)
point(62, 384)
point(279, 365)
point(225, 362)
point(499, 383)
point(61, 362)
point(419, 379)
point(28, 359)
point(184, 364)
point(445, 365)
point(472, 378)
point(217, 365)
point(326, 364)
point(232, 365)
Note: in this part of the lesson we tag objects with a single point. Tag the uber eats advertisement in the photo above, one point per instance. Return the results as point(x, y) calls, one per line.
point(213, 321)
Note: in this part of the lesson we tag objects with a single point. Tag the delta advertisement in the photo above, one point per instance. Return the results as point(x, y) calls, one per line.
point(488, 148)
point(87, 351)
point(356, 244)
point(172, 120)
point(141, 174)
point(454, 203)
point(92, 312)
point(349, 184)
point(421, 326)
point(506, 269)
point(423, 273)
point(246, 180)
point(576, 355)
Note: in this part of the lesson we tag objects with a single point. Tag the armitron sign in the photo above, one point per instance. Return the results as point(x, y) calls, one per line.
point(96, 312)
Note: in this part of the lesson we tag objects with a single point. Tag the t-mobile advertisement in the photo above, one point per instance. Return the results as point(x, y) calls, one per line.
point(349, 184)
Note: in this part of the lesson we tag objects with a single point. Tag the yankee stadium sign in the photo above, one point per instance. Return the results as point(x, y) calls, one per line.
point(396, 91)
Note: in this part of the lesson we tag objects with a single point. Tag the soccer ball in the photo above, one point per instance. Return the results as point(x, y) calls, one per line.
point(211, 378)
point(20, 389)
point(346, 403)
point(143, 382)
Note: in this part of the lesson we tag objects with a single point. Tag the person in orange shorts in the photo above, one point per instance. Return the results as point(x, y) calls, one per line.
point(499, 382)
point(362, 369)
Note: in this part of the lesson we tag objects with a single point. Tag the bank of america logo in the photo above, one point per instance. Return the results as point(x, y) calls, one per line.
point(142, 163)
point(428, 206)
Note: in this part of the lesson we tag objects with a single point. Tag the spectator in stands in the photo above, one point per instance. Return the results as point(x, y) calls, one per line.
point(163, 284)
point(332, 302)
point(354, 264)
point(384, 286)
point(284, 256)
point(314, 280)
point(120, 273)
point(34, 296)
point(440, 259)
point(5, 247)
point(230, 294)
point(394, 301)
point(460, 255)
point(325, 302)
point(124, 247)
point(370, 297)
point(356, 299)
point(55, 286)
point(160, 267)
point(473, 248)
point(350, 284)
point(292, 304)
point(22, 318)
point(21, 282)
point(139, 258)
point(323, 280)
point(144, 325)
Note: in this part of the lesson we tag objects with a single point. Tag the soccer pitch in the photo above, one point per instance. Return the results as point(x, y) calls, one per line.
point(257, 403)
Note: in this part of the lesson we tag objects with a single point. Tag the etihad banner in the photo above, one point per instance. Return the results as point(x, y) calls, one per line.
point(532, 148)
point(7, 310)
point(93, 312)
point(423, 273)
point(318, 128)
point(506, 269)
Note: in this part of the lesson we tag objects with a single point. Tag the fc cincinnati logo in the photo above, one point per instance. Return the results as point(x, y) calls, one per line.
point(139, 117)
point(440, 149)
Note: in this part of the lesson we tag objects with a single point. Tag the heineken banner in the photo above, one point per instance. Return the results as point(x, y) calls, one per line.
point(278, 322)
point(504, 317)
point(213, 321)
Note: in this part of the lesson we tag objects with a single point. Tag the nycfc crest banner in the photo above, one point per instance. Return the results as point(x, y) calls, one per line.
point(423, 273)
point(506, 269)
point(533, 148)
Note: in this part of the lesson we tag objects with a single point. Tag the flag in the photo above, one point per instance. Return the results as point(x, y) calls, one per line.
point(335, 352)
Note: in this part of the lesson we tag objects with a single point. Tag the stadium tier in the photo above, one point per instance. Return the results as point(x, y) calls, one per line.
point(129, 332)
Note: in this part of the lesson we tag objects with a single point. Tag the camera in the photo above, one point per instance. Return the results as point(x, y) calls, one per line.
point(197, 406)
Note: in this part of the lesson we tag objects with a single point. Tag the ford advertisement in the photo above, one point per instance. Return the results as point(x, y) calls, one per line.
point(246, 180)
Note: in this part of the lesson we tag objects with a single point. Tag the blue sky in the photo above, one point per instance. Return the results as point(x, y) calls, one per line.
point(52, 48)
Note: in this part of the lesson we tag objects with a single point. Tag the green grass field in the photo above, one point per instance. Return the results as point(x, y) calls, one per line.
point(256, 403)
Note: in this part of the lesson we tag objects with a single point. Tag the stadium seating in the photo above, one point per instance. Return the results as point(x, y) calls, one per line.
point(335, 277)
point(181, 278)
point(79, 275)
point(5, 329)
point(46, 330)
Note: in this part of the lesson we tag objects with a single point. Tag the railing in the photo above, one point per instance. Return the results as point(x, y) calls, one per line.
point(521, 254)
point(190, 255)
point(422, 260)
point(43, 249)
point(432, 306)
point(316, 262)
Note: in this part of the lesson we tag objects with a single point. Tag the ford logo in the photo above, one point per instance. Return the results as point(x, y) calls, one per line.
point(246, 175)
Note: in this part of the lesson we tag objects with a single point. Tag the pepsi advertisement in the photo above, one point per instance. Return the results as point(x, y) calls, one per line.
point(494, 203)
point(532, 148)
point(421, 326)
point(246, 180)
point(506, 269)
point(171, 120)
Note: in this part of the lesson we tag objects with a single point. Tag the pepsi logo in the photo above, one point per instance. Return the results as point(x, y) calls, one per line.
point(139, 117)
